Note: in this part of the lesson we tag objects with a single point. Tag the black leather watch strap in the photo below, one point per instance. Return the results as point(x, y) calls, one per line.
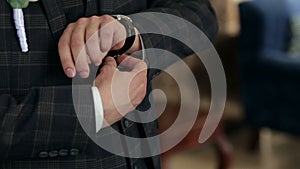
point(130, 34)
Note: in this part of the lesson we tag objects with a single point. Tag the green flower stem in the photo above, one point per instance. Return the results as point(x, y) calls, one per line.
point(18, 4)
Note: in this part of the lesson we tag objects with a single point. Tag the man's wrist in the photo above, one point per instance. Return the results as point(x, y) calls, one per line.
point(132, 46)
point(132, 41)
point(137, 43)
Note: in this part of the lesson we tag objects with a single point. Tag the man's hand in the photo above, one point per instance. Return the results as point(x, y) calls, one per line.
point(121, 91)
point(88, 40)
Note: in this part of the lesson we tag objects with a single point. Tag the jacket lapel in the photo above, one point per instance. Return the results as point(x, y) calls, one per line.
point(56, 17)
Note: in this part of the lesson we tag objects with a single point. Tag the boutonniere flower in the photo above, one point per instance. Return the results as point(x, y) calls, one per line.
point(18, 15)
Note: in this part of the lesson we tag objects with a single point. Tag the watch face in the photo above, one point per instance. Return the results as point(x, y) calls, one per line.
point(130, 34)
point(126, 17)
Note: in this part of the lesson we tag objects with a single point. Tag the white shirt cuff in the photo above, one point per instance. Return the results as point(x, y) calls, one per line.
point(98, 108)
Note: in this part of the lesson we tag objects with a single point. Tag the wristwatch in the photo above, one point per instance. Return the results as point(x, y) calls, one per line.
point(130, 35)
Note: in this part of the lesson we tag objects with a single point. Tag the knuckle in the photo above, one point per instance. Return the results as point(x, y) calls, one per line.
point(94, 18)
point(106, 32)
point(70, 26)
point(90, 35)
point(110, 59)
point(120, 44)
point(81, 20)
point(76, 43)
point(63, 44)
point(106, 17)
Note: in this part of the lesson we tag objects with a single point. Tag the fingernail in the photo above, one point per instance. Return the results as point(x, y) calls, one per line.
point(84, 74)
point(70, 72)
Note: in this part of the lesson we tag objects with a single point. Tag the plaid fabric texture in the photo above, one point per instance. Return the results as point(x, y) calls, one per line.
point(38, 125)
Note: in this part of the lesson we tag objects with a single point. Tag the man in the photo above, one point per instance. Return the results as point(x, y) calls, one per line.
point(38, 124)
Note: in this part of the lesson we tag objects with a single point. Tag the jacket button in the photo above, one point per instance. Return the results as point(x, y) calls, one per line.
point(126, 123)
point(63, 152)
point(43, 154)
point(53, 153)
point(74, 152)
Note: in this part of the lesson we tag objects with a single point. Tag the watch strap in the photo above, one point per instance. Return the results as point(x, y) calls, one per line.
point(130, 35)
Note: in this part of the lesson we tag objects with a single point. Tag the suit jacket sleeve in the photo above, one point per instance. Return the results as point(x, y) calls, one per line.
point(198, 12)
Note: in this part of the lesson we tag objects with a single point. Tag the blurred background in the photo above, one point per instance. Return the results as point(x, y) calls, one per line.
point(259, 45)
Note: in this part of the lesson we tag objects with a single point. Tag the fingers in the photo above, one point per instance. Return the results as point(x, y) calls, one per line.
point(102, 34)
point(65, 54)
point(106, 33)
point(92, 41)
point(78, 47)
point(72, 51)
point(88, 41)
point(119, 35)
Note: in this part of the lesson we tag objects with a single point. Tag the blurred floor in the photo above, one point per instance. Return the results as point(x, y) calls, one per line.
point(277, 151)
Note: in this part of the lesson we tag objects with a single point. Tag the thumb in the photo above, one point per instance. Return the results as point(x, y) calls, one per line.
point(110, 61)
point(108, 68)
point(106, 72)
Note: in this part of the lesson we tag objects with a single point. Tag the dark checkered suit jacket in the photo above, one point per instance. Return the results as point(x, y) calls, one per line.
point(38, 125)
